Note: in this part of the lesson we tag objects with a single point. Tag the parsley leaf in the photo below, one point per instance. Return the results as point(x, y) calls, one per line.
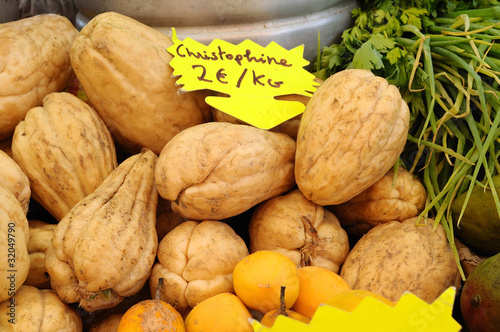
point(395, 54)
point(381, 42)
point(412, 16)
point(367, 57)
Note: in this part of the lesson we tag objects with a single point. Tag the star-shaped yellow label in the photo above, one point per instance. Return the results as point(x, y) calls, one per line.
point(410, 314)
point(248, 77)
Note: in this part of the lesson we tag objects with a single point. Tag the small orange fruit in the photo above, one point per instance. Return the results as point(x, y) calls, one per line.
point(257, 280)
point(317, 284)
point(270, 316)
point(349, 300)
point(223, 312)
point(151, 315)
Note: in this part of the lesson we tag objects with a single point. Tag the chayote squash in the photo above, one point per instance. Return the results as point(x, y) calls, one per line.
point(218, 170)
point(397, 257)
point(13, 177)
point(388, 199)
point(123, 66)
point(196, 260)
point(34, 61)
point(104, 248)
point(40, 236)
point(14, 237)
point(351, 133)
point(66, 151)
point(38, 310)
point(305, 232)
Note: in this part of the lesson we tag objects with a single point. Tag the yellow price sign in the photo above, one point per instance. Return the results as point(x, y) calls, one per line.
point(410, 314)
point(248, 77)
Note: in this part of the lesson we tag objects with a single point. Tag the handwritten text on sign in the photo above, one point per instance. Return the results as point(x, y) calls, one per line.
point(248, 77)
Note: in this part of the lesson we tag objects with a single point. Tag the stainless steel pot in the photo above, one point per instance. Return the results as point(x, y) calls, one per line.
point(290, 23)
point(9, 10)
point(215, 12)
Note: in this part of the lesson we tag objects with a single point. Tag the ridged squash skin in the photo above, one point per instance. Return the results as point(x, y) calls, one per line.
point(196, 261)
point(34, 61)
point(386, 200)
point(395, 257)
point(351, 133)
point(40, 236)
point(218, 170)
point(303, 231)
point(38, 310)
point(66, 151)
point(14, 238)
point(104, 248)
point(13, 177)
point(123, 66)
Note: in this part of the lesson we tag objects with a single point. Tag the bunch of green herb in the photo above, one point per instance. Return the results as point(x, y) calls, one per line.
point(444, 58)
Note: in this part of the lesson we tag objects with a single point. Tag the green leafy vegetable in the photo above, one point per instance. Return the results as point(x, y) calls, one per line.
point(444, 58)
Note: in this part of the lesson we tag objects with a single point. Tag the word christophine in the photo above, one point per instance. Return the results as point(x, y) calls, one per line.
point(221, 55)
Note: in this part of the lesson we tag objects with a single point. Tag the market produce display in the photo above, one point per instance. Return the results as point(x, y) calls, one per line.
point(129, 205)
point(443, 58)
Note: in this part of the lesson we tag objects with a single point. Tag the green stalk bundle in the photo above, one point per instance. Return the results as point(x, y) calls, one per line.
point(446, 62)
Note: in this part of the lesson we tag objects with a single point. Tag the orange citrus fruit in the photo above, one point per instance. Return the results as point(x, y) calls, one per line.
point(223, 312)
point(317, 284)
point(151, 315)
point(349, 300)
point(257, 280)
